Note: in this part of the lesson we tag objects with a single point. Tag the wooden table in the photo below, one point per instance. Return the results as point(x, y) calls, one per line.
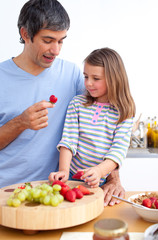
point(123, 211)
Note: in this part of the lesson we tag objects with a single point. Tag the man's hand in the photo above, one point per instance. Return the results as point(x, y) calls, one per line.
point(113, 187)
point(35, 117)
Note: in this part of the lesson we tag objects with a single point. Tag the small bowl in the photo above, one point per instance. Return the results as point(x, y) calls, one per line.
point(148, 214)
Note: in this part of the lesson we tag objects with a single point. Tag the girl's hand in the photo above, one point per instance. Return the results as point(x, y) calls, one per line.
point(61, 175)
point(92, 176)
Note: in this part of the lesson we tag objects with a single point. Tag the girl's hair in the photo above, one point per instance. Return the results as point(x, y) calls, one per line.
point(42, 14)
point(116, 79)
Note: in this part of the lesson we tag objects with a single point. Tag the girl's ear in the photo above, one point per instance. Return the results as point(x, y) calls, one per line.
point(24, 34)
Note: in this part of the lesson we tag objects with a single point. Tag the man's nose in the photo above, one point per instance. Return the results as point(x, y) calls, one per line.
point(55, 49)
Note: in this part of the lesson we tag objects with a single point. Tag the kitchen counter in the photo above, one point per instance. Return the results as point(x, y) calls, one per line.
point(123, 211)
point(142, 153)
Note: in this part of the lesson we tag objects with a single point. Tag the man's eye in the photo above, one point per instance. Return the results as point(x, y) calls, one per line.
point(47, 41)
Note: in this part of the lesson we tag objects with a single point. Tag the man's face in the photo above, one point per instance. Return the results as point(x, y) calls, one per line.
point(45, 47)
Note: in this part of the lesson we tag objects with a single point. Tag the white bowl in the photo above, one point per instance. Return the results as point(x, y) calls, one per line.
point(148, 214)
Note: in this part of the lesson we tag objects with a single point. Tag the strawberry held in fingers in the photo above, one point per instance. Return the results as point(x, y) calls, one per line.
point(53, 99)
point(78, 175)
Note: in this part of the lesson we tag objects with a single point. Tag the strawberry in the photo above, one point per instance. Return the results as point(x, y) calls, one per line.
point(78, 175)
point(53, 99)
point(70, 195)
point(153, 199)
point(147, 203)
point(64, 190)
point(78, 192)
point(62, 184)
point(156, 204)
point(83, 189)
point(22, 187)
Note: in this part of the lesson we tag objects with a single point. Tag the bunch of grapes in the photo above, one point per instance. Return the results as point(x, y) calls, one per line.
point(44, 194)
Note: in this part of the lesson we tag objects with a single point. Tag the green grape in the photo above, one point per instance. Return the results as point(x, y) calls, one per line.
point(21, 196)
point(60, 197)
point(41, 200)
point(50, 189)
point(25, 192)
point(54, 201)
point(9, 201)
point(36, 193)
point(46, 200)
point(43, 193)
point(17, 190)
point(29, 197)
point(45, 186)
point(28, 188)
point(16, 202)
point(56, 187)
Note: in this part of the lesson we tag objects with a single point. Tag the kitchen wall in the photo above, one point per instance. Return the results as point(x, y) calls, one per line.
point(139, 174)
point(130, 27)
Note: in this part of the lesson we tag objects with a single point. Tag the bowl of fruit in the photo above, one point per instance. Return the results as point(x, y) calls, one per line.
point(150, 201)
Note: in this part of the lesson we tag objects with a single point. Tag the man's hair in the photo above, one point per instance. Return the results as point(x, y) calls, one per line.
point(42, 14)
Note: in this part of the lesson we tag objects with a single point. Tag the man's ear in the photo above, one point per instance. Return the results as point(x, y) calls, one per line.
point(24, 34)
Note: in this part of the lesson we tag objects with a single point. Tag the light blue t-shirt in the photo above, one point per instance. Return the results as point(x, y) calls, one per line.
point(33, 154)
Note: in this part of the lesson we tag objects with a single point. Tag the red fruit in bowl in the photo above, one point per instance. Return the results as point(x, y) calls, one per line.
point(53, 99)
point(153, 199)
point(156, 204)
point(147, 203)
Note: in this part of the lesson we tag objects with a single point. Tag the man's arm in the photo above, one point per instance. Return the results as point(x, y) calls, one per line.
point(34, 117)
point(113, 187)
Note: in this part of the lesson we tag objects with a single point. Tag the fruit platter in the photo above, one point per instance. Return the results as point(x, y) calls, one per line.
point(39, 205)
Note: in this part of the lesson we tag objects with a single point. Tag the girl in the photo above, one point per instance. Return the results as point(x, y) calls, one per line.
point(98, 124)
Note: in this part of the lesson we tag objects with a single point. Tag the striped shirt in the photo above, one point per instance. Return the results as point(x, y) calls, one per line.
point(93, 135)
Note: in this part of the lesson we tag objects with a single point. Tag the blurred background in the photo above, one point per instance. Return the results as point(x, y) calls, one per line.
point(129, 27)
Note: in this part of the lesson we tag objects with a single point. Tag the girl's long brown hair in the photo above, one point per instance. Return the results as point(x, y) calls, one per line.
point(119, 94)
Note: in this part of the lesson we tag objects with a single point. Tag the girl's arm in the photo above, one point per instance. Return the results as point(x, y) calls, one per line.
point(64, 166)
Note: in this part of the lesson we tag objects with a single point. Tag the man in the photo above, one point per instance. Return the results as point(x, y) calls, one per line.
point(28, 138)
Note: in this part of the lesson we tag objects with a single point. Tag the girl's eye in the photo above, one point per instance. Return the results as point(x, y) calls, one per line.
point(86, 77)
point(96, 79)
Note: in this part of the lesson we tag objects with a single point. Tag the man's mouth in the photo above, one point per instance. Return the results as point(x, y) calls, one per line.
point(49, 58)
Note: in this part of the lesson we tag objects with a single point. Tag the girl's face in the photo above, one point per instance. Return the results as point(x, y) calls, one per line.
point(95, 82)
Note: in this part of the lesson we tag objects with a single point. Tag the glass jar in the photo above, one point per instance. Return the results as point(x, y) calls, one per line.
point(110, 229)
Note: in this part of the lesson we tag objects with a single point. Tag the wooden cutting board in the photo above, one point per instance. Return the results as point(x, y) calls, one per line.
point(41, 217)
